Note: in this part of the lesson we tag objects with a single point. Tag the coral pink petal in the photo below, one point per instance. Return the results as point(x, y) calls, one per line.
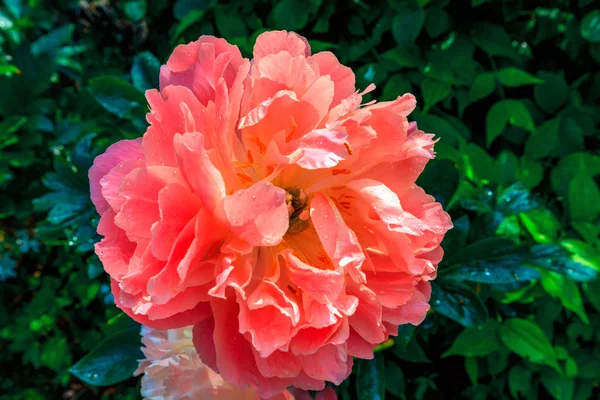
point(235, 359)
point(326, 394)
point(367, 320)
point(321, 148)
point(268, 316)
point(359, 347)
point(258, 215)
point(125, 150)
point(330, 363)
point(177, 206)
point(342, 76)
point(279, 364)
point(202, 336)
point(386, 204)
point(277, 41)
point(206, 180)
point(339, 241)
point(200, 312)
point(175, 110)
point(322, 285)
point(115, 250)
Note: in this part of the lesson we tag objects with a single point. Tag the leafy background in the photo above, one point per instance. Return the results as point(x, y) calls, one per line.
point(511, 87)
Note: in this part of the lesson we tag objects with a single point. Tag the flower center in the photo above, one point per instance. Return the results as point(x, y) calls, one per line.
point(297, 203)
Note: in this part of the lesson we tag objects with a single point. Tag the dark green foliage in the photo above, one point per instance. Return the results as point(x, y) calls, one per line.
point(511, 88)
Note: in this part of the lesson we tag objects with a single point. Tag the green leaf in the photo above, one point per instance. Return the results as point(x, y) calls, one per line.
point(55, 354)
point(544, 140)
point(590, 26)
point(491, 261)
point(183, 7)
point(113, 360)
point(592, 292)
point(564, 173)
point(116, 95)
point(526, 339)
point(476, 341)
point(459, 303)
point(440, 180)
point(542, 225)
point(555, 258)
point(507, 168)
point(395, 86)
point(564, 289)
point(531, 173)
point(437, 21)
point(410, 351)
point(472, 368)
point(513, 77)
point(407, 25)
point(370, 378)
point(516, 199)
point(559, 386)
point(394, 379)
point(494, 40)
point(519, 381)
point(406, 56)
point(290, 14)
point(551, 94)
point(145, 71)
point(191, 18)
point(136, 9)
point(434, 92)
point(584, 196)
point(505, 112)
point(230, 24)
point(49, 43)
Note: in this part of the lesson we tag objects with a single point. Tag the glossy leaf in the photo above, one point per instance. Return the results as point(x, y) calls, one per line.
point(113, 360)
point(459, 303)
point(555, 258)
point(370, 384)
point(145, 71)
point(116, 95)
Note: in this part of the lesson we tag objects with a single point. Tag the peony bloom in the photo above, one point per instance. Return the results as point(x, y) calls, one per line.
point(268, 208)
point(173, 371)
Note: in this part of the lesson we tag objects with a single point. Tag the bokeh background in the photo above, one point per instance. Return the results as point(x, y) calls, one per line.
point(510, 87)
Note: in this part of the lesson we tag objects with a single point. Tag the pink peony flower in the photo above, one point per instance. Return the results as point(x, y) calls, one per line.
point(268, 208)
point(173, 371)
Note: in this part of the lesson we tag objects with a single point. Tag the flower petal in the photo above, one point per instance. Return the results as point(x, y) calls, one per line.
point(259, 214)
